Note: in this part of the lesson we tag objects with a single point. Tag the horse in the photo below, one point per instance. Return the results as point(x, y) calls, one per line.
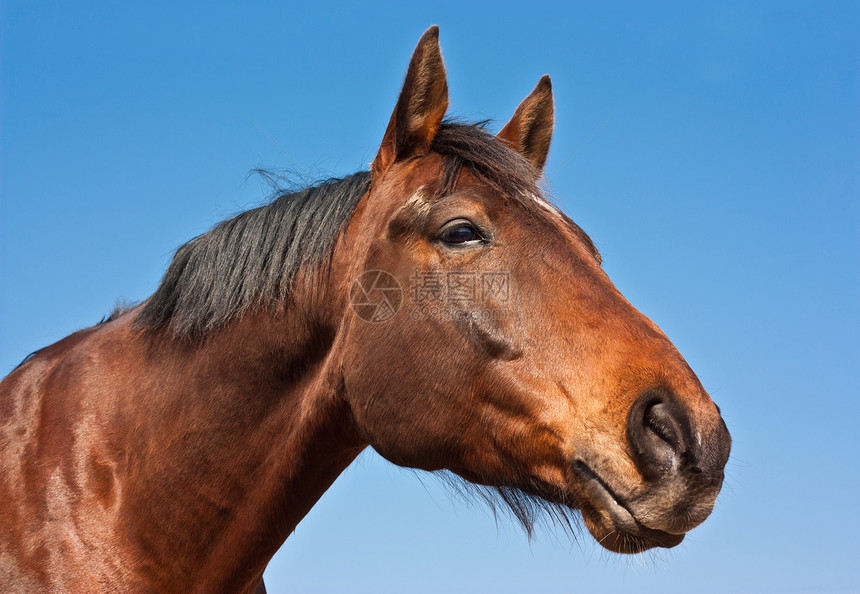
point(438, 308)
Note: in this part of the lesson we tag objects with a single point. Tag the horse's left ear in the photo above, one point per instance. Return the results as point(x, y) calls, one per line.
point(422, 105)
point(530, 129)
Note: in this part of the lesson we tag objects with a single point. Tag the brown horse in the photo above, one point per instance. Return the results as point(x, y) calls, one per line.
point(437, 308)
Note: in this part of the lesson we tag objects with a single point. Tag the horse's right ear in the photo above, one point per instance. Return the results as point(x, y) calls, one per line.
point(420, 108)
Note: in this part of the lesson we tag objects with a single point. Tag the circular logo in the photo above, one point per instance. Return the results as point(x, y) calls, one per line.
point(375, 296)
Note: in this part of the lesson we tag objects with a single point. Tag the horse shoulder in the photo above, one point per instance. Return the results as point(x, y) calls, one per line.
point(58, 484)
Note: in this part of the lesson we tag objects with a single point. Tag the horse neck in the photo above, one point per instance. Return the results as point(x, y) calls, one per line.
point(255, 429)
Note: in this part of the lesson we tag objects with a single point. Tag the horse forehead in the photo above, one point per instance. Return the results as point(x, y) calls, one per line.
point(415, 187)
point(527, 198)
point(422, 199)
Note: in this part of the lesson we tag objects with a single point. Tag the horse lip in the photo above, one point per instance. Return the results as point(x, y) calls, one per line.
point(602, 497)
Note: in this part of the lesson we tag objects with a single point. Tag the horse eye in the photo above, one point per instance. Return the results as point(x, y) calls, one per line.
point(459, 234)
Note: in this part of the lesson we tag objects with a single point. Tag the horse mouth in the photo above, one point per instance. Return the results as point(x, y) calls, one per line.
point(610, 520)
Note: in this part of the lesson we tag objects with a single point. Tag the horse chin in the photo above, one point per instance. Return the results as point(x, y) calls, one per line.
point(611, 523)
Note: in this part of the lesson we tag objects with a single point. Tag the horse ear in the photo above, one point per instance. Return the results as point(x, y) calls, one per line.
point(420, 108)
point(530, 129)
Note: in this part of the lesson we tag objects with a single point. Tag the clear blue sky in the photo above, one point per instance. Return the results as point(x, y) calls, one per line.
point(722, 189)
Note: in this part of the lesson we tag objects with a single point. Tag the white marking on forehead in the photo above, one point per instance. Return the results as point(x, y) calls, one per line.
point(418, 201)
point(545, 204)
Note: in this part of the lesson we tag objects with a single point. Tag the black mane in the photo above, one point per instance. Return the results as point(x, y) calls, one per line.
point(255, 256)
point(252, 257)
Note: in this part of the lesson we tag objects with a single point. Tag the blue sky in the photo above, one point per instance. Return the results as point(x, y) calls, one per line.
point(721, 187)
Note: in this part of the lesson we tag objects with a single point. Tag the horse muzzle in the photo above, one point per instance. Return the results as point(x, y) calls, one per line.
point(680, 473)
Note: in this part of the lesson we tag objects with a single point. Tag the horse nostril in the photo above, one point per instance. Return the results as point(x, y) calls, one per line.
point(656, 428)
point(658, 419)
